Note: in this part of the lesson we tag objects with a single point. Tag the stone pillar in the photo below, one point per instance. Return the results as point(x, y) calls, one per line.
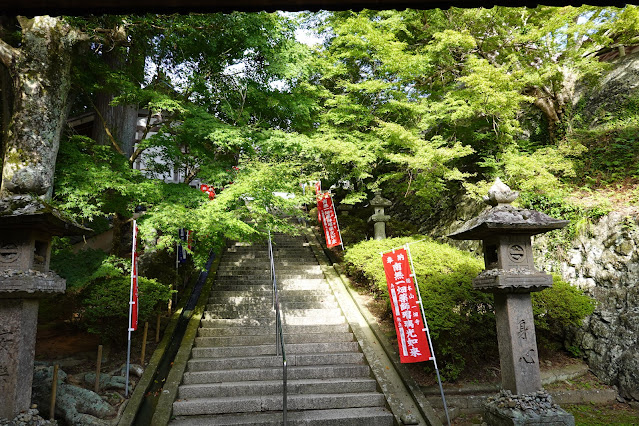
point(18, 321)
point(379, 218)
point(26, 229)
point(517, 343)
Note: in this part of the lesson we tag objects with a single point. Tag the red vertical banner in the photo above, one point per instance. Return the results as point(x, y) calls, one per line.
point(409, 325)
point(326, 210)
point(134, 281)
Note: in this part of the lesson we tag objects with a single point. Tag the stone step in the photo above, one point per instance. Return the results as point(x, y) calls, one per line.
point(204, 406)
point(263, 340)
point(309, 386)
point(269, 349)
point(311, 313)
point(252, 286)
point(369, 416)
point(210, 320)
point(286, 299)
point(268, 293)
point(249, 268)
point(282, 274)
point(299, 372)
point(264, 306)
point(270, 330)
point(263, 261)
point(273, 361)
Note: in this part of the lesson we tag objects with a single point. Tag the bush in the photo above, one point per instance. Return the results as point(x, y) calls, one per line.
point(105, 300)
point(460, 319)
point(557, 308)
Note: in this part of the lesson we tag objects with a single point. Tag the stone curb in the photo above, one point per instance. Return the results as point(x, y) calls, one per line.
point(164, 408)
point(402, 394)
point(473, 404)
point(133, 404)
point(547, 377)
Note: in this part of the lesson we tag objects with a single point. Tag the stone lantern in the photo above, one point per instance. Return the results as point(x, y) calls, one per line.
point(379, 218)
point(26, 229)
point(510, 274)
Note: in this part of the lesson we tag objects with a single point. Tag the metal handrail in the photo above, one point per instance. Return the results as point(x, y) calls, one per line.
point(279, 337)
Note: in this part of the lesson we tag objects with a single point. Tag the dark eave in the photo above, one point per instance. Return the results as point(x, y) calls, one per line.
point(84, 7)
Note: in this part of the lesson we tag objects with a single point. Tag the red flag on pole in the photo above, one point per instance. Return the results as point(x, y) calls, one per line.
point(326, 209)
point(208, 190)
point(134, 310)
point(409, 325)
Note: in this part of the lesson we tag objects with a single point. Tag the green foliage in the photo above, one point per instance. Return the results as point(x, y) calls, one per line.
point(105, 300)
point(460, 319)
point(77, 268)
point(558, 207)
point(559, 307)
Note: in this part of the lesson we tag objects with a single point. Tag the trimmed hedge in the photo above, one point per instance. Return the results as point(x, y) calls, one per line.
point(461, 320)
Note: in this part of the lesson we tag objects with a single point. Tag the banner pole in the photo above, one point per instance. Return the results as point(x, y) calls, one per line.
point(430, 343)
point(130, 326)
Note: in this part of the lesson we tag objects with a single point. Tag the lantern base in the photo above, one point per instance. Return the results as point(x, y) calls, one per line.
point(534, 409)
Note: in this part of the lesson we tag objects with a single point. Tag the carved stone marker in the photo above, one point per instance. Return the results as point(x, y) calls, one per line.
point(511, 276)
point(26, 228)
point(379, 218)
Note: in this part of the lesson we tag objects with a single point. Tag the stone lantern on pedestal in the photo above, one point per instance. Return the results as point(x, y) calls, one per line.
point(379, 218)
point(510, 274)
point(26, 229)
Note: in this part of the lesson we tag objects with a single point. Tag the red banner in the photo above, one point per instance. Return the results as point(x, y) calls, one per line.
point(326, 210)
point(208, 190)
point(411, 334)
point(134, 281)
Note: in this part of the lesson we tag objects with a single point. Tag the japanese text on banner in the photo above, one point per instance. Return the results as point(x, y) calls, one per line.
point(329, 220)
point(411, 335)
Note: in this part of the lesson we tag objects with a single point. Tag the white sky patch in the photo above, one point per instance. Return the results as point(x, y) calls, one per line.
point(308, 37)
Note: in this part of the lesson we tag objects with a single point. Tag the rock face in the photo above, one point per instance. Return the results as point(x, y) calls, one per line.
point(604, 262)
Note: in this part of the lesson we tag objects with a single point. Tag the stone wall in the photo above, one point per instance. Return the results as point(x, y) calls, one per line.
point(604, 262)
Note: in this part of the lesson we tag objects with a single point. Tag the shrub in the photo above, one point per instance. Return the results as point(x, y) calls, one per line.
point(105, 300)
point(98, 289)
point(460, 319)
point(557, 308)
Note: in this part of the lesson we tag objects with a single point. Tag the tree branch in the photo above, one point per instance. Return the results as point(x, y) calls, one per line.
point(8, 54)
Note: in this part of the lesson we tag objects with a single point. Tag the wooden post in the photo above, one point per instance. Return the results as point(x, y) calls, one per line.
point(157, 330)
point(98, 366)
point(54, 389)
point(146, 330)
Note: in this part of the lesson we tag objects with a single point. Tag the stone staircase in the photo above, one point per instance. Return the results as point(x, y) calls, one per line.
point(234, 376)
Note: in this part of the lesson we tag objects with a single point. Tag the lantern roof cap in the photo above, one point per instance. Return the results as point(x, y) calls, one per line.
point(379, 201)
point(25, 211)
point(503, 218)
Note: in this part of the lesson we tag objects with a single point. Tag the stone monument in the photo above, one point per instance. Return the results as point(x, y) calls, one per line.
point(510, 274)
point(26, 228)
point(379, 218)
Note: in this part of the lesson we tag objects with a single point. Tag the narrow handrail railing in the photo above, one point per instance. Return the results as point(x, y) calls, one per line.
point(279, 337)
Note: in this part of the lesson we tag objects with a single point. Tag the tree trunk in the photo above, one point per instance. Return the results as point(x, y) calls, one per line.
point(41, 76)
point(6, 101)
point(120, 120)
